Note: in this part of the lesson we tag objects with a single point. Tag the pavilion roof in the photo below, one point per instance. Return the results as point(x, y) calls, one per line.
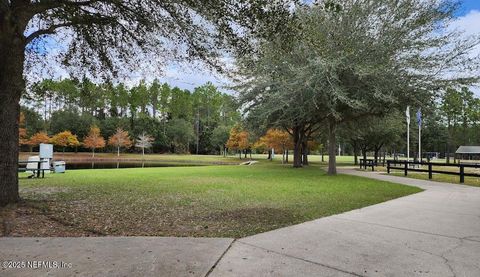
point(468, 150)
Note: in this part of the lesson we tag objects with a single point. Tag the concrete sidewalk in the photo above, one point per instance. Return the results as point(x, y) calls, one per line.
point(111, 256)
point(432, 233)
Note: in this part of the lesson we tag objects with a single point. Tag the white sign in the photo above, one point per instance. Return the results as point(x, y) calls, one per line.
point(46, 151)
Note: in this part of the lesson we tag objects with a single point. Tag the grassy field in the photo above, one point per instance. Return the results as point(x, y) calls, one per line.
point(225, 201)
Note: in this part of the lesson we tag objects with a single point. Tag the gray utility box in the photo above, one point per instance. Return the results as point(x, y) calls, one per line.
point(59, 167)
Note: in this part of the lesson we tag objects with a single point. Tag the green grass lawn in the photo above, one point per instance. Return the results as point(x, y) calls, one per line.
point(224, 201)
point(185, 159)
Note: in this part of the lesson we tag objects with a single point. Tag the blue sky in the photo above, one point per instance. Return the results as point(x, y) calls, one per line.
point(468, 19)
point(187, 78)
point(469, 5)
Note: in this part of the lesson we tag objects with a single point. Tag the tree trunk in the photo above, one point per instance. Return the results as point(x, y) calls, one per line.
point(332, 159)
point(355, 153)
point(93, 153)
point(364, 153)
point(304, 152)
point(12, 85)
point(286, 156)
point(118, 151)
point(297, 148)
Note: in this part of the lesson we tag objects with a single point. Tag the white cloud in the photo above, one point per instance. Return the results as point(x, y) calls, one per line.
point(470, 25)
point(185, 76)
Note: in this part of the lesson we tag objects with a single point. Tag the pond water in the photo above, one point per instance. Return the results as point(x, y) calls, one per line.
point(120, 164)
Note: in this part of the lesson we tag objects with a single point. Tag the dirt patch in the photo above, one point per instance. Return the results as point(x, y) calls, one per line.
point(44, 190)
point(41, 219)
point(24, 220)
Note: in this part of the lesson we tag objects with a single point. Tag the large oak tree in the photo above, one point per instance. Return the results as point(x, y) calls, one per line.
point(106, 36)
point(342, 61)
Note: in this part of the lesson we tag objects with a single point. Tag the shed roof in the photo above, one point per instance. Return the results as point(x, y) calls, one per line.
point(468, 150)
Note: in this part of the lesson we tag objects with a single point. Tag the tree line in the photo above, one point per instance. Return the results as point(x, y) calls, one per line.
point(179, 121)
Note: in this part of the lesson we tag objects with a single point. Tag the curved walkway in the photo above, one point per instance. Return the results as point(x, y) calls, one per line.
point(432, 233)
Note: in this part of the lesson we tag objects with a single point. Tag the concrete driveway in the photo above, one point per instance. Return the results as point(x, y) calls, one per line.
point(432, 233)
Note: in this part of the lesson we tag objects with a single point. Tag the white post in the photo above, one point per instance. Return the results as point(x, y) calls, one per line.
point(419, 121)
point(420, 143)
point(407, 113)
point(408, 142)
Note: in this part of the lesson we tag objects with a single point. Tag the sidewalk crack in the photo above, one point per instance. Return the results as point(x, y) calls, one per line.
point(220, 258)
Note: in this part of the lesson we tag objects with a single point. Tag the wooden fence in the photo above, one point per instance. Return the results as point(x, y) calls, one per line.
point(407, 166)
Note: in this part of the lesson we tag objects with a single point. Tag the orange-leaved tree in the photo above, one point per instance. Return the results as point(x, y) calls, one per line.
point(37, 138)
point(261, 146)
point(278, 140)
point(120, 139)
point(94, 139)
point(238, 140)
point(65, 139)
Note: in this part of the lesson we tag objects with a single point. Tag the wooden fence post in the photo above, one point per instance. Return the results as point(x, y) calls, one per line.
point(462, 174)
point(406, 168)
point(430, 171)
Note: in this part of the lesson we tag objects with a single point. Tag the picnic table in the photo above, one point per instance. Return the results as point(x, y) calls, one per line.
point(36, 171)
point(364, 163)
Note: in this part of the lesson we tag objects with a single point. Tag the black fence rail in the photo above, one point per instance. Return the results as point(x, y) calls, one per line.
point(407, 166)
